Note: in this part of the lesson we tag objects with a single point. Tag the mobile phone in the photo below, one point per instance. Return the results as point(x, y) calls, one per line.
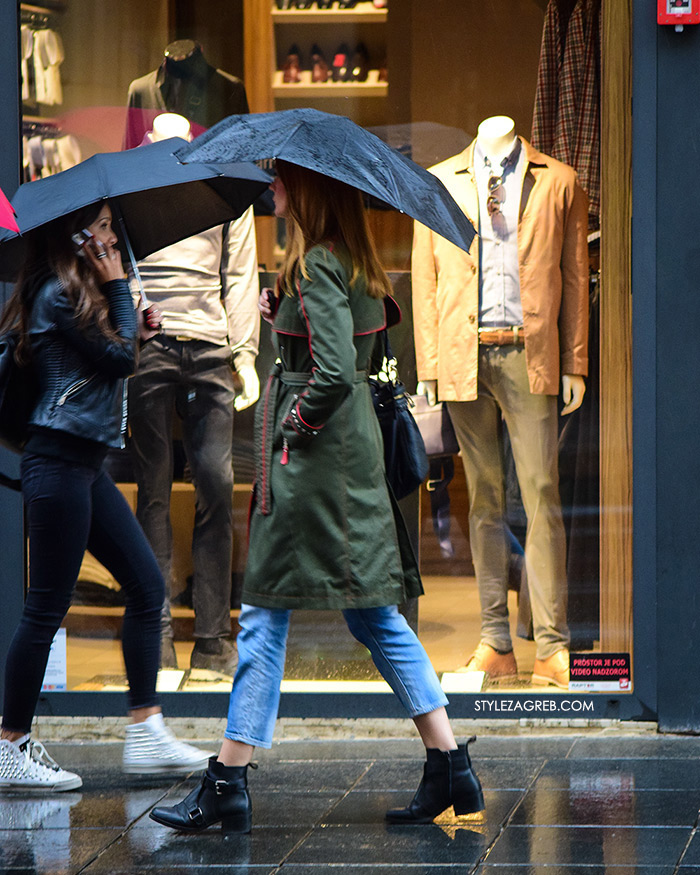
point(80, 238)
point(273, 300)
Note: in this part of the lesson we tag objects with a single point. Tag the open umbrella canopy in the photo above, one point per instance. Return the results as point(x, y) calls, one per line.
point(158, 200)
point(336, 147)
point(7, 214)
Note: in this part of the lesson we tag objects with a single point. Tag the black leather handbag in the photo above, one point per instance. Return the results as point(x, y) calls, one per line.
point(405, 458)
point(18, 395)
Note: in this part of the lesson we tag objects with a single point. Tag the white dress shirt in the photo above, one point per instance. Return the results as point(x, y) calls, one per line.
point(499, 280)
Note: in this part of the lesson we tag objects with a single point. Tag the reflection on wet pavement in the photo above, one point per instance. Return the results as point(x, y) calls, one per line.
point(567, 804)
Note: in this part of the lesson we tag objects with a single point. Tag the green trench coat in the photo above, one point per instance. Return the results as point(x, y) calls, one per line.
point(325, 532)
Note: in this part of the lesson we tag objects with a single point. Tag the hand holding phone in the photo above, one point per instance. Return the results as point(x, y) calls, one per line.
point(106, 262)
point(80, 240)
point(268, 304)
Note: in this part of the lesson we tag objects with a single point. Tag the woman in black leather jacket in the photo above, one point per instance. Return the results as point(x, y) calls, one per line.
point(80, 332)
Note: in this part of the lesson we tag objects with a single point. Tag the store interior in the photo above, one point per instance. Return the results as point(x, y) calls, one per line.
point(425, 75)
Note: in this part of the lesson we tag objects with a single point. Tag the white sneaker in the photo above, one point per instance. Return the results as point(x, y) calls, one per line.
point(151, 748)
point(25, 765)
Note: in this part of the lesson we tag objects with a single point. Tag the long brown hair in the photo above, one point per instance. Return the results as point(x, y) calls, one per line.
point(321, 209)
point(50, 251)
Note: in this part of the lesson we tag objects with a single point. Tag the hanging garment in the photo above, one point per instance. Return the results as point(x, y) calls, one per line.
point(547, 94)
point(68, 151)
point(566, 117)
point(204, 97)
point(36, 157)
point(27, 47)
point(586, 147)
point(51, 159)
point(569, 91)
point(48, 57)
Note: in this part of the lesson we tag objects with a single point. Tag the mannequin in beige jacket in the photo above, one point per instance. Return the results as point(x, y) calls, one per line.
point(498, 331)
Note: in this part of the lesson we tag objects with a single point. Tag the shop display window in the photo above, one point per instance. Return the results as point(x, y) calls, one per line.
point(422, 76)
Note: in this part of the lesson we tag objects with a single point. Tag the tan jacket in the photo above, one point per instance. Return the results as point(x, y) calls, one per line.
point(553, 260)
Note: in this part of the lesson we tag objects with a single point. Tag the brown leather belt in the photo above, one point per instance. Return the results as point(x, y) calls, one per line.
point(501, 336)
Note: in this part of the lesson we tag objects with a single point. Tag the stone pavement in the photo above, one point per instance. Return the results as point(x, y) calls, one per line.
point(555, 803)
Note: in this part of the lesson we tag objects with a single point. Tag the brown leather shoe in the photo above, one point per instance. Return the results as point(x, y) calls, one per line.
point(320, 71)
point(552, 671)
point(291, 68)
point(498, 666)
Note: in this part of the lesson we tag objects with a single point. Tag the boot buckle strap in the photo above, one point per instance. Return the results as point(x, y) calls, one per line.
point(197, 816)
point(222, 787)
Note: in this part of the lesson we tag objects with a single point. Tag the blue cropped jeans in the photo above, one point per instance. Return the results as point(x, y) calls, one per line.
point(262, 645)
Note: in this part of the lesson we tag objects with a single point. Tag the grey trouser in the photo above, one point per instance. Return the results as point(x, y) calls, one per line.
point(503, 390)
point(194, 378)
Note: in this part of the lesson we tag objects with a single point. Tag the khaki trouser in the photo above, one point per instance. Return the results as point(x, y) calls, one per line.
point(532, 425)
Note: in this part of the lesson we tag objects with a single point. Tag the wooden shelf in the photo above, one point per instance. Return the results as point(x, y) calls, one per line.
point(306, 88)
point(45, 8)
point(360, 14)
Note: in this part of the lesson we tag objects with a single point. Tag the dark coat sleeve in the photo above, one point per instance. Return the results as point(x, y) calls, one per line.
point(325, 309)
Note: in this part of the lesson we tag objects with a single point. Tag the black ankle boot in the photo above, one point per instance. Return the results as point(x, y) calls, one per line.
point(221, 797)
point(448, 779)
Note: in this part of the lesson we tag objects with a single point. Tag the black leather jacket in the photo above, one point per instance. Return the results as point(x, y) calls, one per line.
point(82, 386)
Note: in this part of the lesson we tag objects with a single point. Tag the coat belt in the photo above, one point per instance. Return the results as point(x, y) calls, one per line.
point(265, 426)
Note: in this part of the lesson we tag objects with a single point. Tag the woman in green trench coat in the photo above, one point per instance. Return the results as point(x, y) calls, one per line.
point(325, 531)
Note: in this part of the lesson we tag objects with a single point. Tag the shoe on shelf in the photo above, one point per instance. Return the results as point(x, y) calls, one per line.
point(341, 70)
point(25, 765)
point(215, 654)
point(320, 70)
point(291, 69)
point(498, 666)
point(553, 671)
point(359, 68)
point(151, 749)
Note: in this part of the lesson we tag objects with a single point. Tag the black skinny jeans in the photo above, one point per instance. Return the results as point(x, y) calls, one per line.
point(71, 508)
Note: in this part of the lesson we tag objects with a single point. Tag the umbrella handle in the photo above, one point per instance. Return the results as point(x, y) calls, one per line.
point(134, 267)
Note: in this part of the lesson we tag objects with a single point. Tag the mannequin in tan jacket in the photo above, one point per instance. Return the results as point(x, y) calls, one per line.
point(498, 331)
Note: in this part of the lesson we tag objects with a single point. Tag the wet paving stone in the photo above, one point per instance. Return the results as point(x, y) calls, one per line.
point(388, 844)
point(151, 850)
point(57, 851)
point(623, 773)
point(574, 805)
point(589, 846)
point(651, 746)
point(692, 855)
point(606, 805)
point(571, 870)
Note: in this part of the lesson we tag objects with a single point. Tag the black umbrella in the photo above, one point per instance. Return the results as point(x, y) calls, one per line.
point(336, 147)
point(156, 199)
